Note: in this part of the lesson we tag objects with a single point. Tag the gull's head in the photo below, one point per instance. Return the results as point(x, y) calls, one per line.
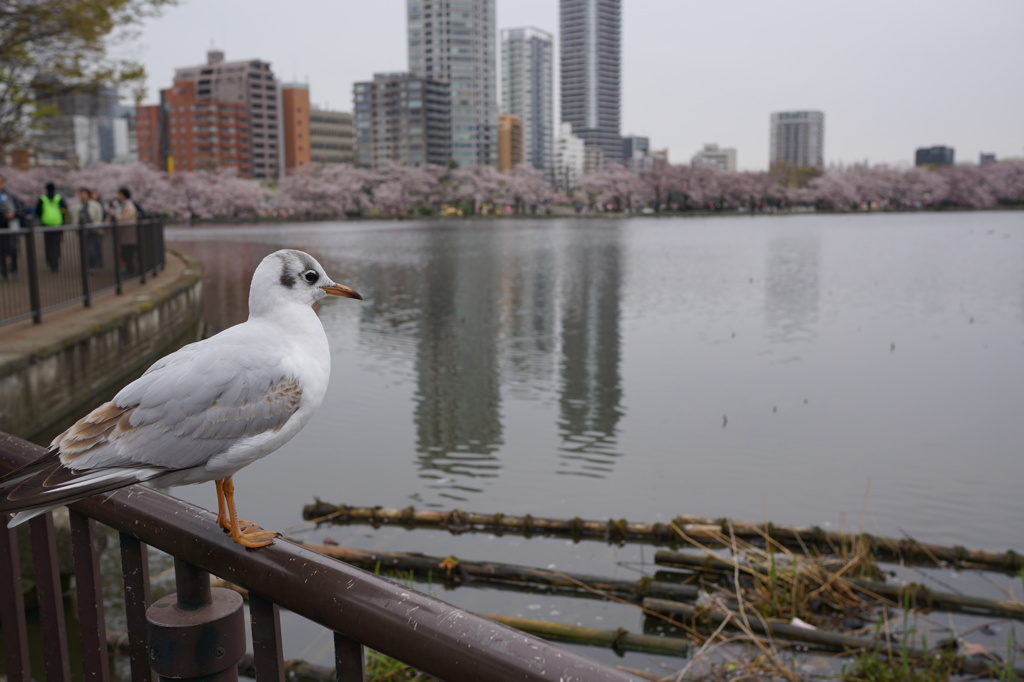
point(289, 276)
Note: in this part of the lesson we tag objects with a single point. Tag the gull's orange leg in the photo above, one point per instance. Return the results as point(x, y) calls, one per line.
point(251, 535)
point(223, 520)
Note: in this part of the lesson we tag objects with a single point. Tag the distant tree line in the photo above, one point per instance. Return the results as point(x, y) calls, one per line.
point(339, 191)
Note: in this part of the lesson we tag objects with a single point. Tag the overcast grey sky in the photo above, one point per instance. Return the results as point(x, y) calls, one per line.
point(890, 75)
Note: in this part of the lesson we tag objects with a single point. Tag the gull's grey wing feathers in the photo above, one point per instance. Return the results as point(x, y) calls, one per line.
point(194, 404)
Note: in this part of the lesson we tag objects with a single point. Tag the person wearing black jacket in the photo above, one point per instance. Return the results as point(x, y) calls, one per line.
point(9, 210)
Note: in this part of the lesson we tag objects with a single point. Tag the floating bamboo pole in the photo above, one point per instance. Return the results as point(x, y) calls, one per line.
point(697, 527)
point(459, 571)
point(620, 640)
point(829, 640)
point(911, 593)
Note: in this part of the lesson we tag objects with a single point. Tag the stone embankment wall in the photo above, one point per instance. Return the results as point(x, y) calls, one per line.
point(46, 386)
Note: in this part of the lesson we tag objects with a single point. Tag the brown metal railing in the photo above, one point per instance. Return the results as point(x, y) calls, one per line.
point(199, 631)
point(53, 267)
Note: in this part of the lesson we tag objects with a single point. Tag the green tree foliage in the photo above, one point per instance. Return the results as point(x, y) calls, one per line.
point(63, 41)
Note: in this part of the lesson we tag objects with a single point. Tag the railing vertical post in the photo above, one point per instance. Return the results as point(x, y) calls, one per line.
point(348, 659)
point(268, 656)
point(88, 581)
point(12, 606)
point(35, 300)
point(197, 633)
point(135, 565)
point(140, 250)
point(115, 239)
point(83, 259)
point(51, 601)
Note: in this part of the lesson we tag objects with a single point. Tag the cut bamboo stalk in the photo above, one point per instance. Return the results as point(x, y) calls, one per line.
point(913, 594)
point(828, 640)
point(459, 571)
point(620, 640)
point(458, 521)
point(697, 527)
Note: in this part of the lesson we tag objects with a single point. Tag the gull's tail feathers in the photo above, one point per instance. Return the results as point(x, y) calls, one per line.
point(45, 484)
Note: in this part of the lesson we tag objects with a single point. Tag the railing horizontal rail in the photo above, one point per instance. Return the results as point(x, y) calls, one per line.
point(426, 633)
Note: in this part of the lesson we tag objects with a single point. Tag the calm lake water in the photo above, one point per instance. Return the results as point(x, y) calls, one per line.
point(848, 371)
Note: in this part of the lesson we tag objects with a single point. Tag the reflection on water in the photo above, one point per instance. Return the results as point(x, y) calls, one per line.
point(458, 398)
point(591, 388)
point(791, 287)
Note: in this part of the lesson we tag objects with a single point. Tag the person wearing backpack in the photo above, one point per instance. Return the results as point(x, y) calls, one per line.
point(126, 217)
point(52, 212)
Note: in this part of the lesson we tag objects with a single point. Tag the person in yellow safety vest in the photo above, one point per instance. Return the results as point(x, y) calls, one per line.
point(52, 212)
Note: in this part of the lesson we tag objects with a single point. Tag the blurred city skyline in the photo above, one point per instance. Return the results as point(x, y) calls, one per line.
point(889, 77)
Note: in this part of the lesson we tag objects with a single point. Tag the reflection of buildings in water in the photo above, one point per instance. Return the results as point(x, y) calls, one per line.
point(792, 288)
point(528, 308)
point(458, 394)
point(227, 273)
point(591, 386)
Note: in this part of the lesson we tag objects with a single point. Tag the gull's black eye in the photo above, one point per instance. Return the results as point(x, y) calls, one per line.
point(310, 276)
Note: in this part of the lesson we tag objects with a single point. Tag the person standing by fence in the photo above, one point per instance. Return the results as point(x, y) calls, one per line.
point(52, 212)
point(8, 221)
point(91, 213)
point(126, 218)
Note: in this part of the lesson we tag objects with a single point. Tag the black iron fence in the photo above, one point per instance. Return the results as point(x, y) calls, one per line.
point(198, 633)
point(45, 268)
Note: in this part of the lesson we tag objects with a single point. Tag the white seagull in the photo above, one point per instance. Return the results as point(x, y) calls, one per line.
point(203, 412)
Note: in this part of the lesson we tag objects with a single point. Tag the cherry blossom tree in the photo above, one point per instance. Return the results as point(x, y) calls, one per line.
point(399, 190)
point(330, 191)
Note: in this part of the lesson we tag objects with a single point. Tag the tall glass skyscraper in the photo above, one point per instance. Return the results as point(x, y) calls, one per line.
point(454, 42)
point(591, 46)
point(527, 90)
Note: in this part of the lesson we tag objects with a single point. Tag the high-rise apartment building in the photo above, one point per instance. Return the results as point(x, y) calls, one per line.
point(510, 141)
point(527, 90)
point(295, 125)
point(798, 139)
point(251, 83)
point(332, 136)
point(591, 57)
point(187, 133)
point(403, 119)
point(453, 42)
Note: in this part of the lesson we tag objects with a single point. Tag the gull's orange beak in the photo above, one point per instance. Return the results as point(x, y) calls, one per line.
point(339, 290)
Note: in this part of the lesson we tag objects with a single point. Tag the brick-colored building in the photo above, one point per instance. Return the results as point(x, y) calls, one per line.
point(295, 132)
point(249, 82)
point(148, 136)
point(510, 141)
point(186, 133)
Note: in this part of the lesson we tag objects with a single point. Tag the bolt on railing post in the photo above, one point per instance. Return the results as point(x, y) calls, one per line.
point(199, 632)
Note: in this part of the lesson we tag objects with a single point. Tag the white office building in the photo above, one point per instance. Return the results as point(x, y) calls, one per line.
point(527, 90)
